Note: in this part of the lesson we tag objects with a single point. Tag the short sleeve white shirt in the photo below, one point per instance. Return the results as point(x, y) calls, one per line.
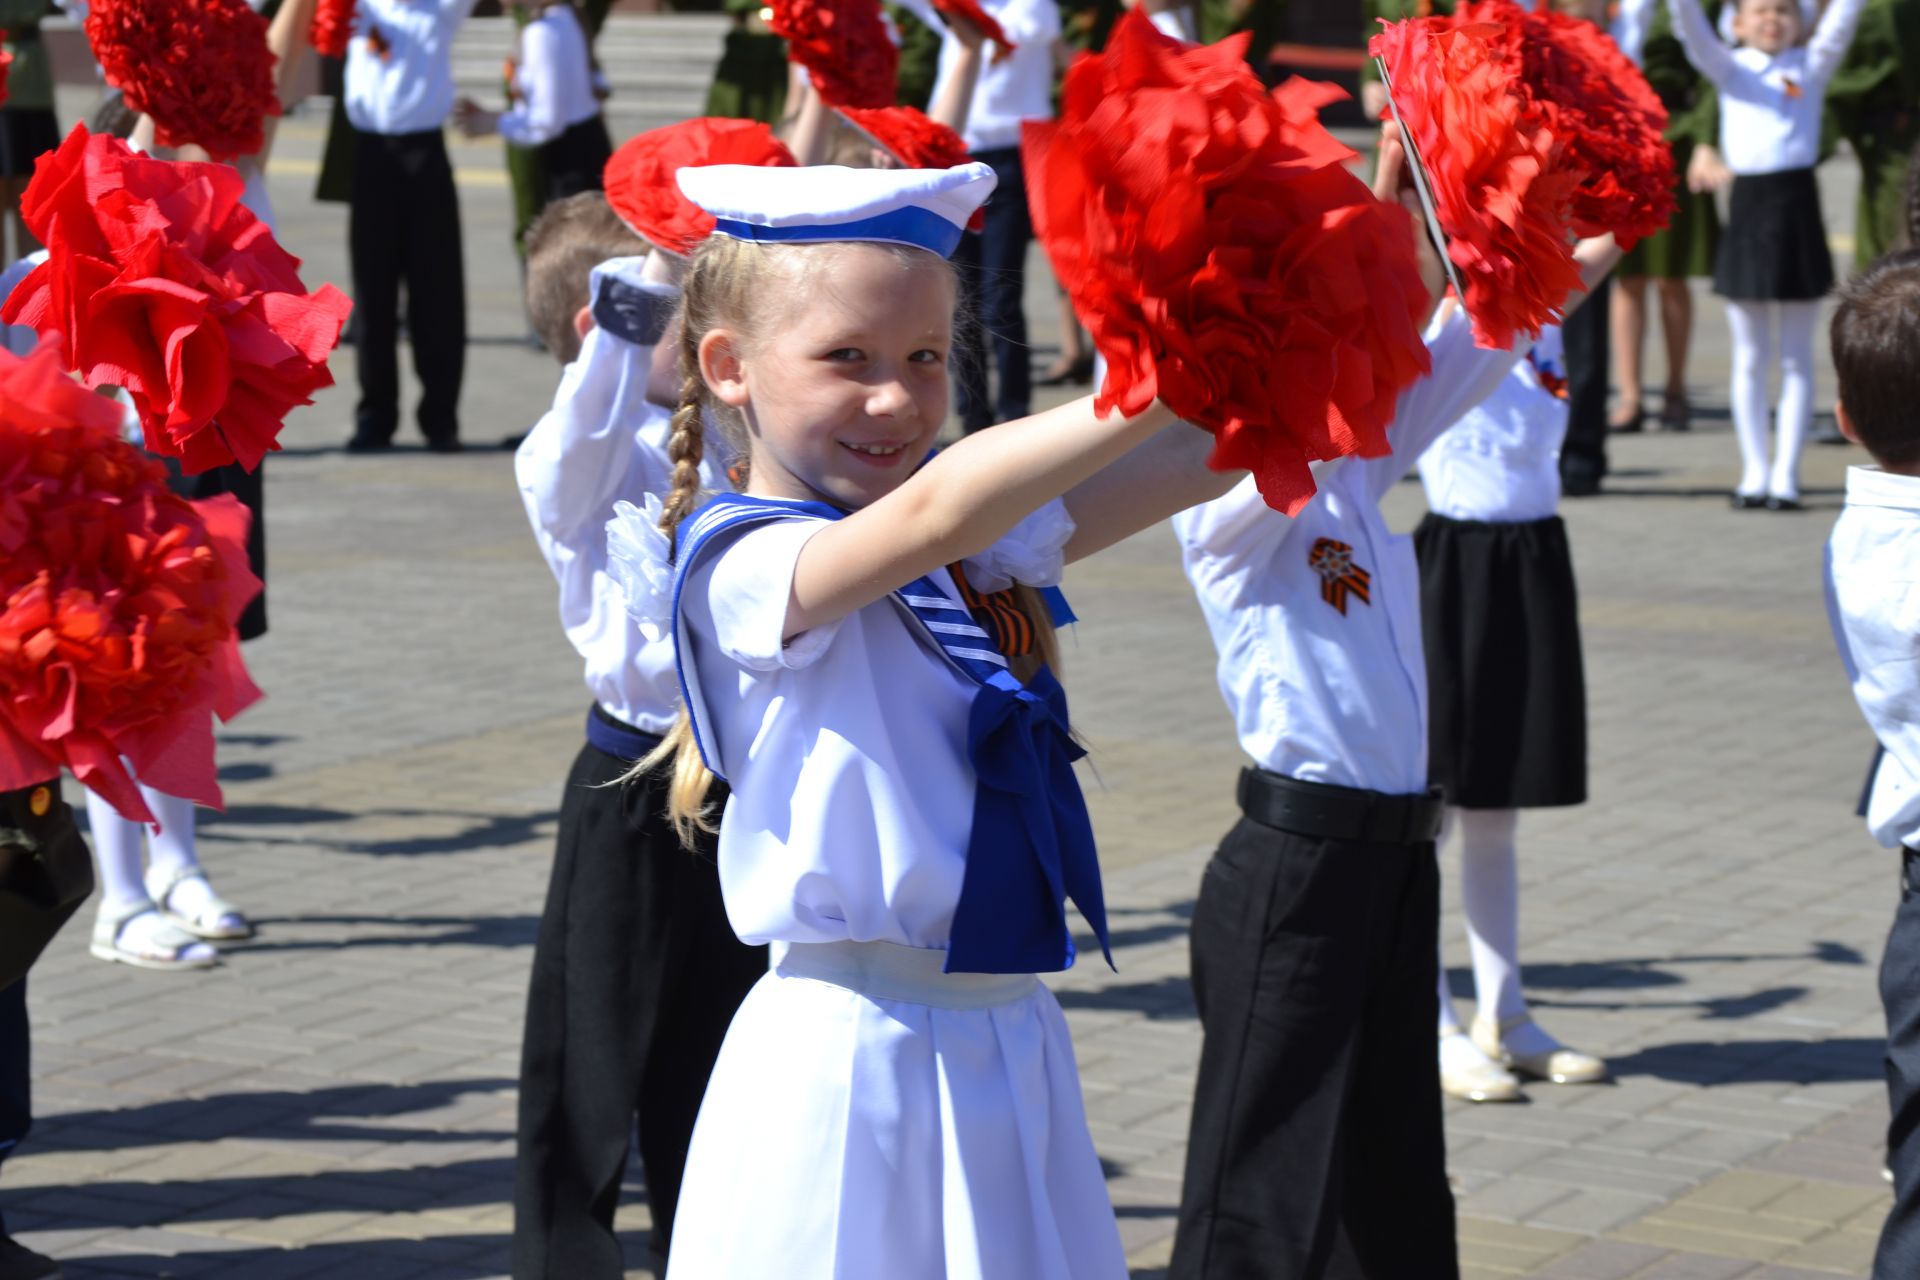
point(846, 747)
point(1321, 692)
point(1501, 461)
point(1873, 603)
point(1018, 86)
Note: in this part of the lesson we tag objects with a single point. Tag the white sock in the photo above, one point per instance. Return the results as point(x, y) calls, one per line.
point(172, 851)
point(116, 853)
point(1797, 323)
point(1748, 322)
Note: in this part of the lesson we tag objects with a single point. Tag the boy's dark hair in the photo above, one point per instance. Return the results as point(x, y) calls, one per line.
point(565, 243)
point(1876, 356)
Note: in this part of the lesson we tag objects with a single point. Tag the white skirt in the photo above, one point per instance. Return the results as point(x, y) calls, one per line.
point(872, 1117)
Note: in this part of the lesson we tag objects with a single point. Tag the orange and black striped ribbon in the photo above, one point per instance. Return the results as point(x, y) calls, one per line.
point(998, 614)
point(1340, 577)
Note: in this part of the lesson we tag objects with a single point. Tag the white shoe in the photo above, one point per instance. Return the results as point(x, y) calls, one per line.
point(1559, 1064)
point(1482, 1081)
point(216, 920)
point(143, 938)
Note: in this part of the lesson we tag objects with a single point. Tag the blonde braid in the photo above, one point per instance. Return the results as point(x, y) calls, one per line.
point(687, 445)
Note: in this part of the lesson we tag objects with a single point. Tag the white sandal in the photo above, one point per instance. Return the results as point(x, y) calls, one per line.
point(217, 921)
point(166, 947)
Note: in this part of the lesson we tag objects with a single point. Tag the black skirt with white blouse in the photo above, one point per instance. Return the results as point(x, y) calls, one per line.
point(1774, 247)
point(1507, 725)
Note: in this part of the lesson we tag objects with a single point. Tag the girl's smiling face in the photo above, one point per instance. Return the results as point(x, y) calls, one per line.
point(844, 393)
point(1771, 26)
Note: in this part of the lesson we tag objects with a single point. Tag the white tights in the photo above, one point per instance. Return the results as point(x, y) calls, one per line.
point(1490, 892)
point(1751, 323)
point(116, 847)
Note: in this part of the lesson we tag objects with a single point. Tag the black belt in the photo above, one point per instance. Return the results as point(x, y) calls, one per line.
point(1338, 813)
point(617, 737)
point(1910, 868)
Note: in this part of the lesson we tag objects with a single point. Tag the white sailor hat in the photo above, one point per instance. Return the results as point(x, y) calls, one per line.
point(926, 208)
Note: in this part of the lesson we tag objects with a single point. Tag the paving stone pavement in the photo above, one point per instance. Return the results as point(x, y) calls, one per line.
point(337, 1098)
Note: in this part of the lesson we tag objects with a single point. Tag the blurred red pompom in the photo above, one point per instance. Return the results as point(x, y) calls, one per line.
point(1503, 182)
point(163, 283)
point(1223, 257)
point(844, 46)
point(639, 178)
point(989, 25)
point(6, 65)
point(907, 134)
point(331, 30)
point(118, 600)
point(200, 68)
point(1602, 108)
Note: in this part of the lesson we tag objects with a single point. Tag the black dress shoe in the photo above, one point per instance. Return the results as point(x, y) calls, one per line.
point(1632, 426)
point(1580, 483)
point(1783, 504)
point(367, 442)
point(1746, 501)
point(445, 444)
point(17, 1262)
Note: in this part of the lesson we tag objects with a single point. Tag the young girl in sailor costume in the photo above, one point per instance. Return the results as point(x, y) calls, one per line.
point(1773, 265)
point(1507, 720)
point(1316, 1145)
point(898, 1097)
point(635, 972)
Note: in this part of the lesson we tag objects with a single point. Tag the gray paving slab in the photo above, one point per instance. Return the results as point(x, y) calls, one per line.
point(337, 1098)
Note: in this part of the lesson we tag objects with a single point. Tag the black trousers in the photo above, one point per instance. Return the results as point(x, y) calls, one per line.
point(1898, 1257)
point(993, 279)
point(1583, 455)
point(16, 1080)
point(575, 161)
point(404, 227)
point(636, 974)
point(1316, 1147)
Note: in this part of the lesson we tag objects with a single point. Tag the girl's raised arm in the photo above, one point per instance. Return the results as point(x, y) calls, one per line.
point(1703, 47)
point(957, 505)
point(1828, 47)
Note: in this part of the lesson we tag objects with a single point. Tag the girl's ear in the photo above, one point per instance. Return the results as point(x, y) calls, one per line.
point(721, 368)
point(1844, 420)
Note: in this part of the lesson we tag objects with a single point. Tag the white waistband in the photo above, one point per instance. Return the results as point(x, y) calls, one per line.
point(888, 971)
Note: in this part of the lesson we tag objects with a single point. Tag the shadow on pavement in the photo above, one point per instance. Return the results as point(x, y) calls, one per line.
point(483, 831)
point(468, 931)
point(1711, 1062)
point(465, 1257)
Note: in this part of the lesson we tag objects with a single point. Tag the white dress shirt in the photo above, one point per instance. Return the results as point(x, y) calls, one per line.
point(1501, 462)
point(553, 80)
point(601, 442)
point(1318, 693)
point(1018, 86)
point(1769, 103)
point(409, 88)
point(1873, 603)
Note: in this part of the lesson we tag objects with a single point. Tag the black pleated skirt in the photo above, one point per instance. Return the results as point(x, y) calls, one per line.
point(30, 132)
point(1508, 722)
point(1774, 247)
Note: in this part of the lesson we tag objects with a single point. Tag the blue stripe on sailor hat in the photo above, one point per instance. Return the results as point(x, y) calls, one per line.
point(925, 208)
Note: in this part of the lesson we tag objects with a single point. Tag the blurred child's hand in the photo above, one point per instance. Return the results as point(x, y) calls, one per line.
point(1373, 99)
point(1393, 183)
point(1707, 171)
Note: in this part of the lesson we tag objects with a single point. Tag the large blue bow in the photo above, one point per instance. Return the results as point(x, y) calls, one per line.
point(1032, 843)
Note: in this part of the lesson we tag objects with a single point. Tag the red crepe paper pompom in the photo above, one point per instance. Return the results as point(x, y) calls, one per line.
point(844, 46)
point(118, 600)
point(910, 136)
point(6, 65)
point(163, 283)
point(639, 177)
point(331, 30)
point(200, 68)
point(1603, 110)
point(989, 25)
point(1223, 256)
point(1502, 180)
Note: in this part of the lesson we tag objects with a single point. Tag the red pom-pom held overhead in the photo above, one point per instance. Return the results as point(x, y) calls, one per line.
point(200, 68)
point(331, 30)
point(1502, 180)
point(1223, 256)
point(989, 25)
point(118, 600)
point(845, 48)
point(639, 178)
point(161, 282)
point(1602, 109)
point(909, 135)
